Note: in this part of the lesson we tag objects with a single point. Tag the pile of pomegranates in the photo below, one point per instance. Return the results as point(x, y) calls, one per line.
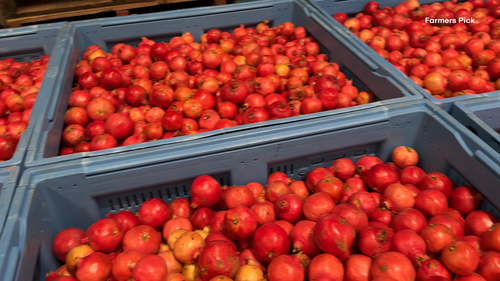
point(162, 90)
point(450, 49)
point(19, 85)
point(362, 221)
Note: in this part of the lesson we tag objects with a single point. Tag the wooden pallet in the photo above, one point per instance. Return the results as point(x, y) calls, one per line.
point(66, 9)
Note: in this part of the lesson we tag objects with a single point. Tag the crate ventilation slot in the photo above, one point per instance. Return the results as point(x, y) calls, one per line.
point(297, 168)
point(133, 200)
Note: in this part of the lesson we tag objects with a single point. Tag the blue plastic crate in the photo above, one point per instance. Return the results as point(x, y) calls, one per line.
point(162, 26)
point(53, 197)
point(328, 8)
point(25, 44)
point(8, 181)
point(482, 117)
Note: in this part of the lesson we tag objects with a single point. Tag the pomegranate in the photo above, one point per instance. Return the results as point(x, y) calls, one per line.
point(105, 235)
point(374, 240)
point(336, 228)
point(356, 218)
point(239, 223)
point(397, 197)
point(188, 246)
point(288, 207)
point(490, 238)
point(460, 258)
point(379, 177)
point(325, 267)
point(151, 268)
point(205, 192)
point(465, 199)
point(431, 203)
point(410, 244)
point(456, 227)
point(331, 186)
point(317, 206)
point(437, 237)
point(96, 266)
point(392, 265)
point(270, 241)
point(437, 181)
point(275, 190)
point(478, 222)
point(411, 219)
point(488, 265)
point(432, 268)
point(314, 176)
point(143, 238)
point(302, 237)
point(343, 168)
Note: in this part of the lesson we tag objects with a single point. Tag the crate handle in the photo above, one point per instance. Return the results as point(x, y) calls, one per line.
point(370, 63)
point(486, 160)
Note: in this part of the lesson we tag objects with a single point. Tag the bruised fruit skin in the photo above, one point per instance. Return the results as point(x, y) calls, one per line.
point(218, 258)
point(336, 229)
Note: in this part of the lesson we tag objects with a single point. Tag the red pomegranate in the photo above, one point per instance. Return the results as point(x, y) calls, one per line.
point(239, 223)
point(491, 238)
point(124, 263)
point(374, 240)
point(392, 265)
point(488, 265)
point(218, 258)
point(105, 235)
point(248, 258)
point(179, 208)
point(67, 239)
point(153, 212)
point(460, 258)
point(404, 156)
point(143, 238)
point(379, 177)
point(285, 267)
point(202, 217)
point(397, 197)
point(354, 216)
point(410, 219)
point(96, 266)
point(205, 192)
point(336, 228)
point(276, 189)
point(237, 195)
point(456, 228)
point(431, 268)
point(288, 207)
point(302, 237)
point(381, 215)
point(317, 206)
point(150, 268)
point(410, 244)
point(431, 203)
point(325, 267)
point(465, 199)
point(411, 175)
point(332, 186)
point(437, 237)
point(264, 213)
point(357, 268)
point(270, 241)
point(174, 224)
point(478, 222)
point(436, 181)
point(343, 168)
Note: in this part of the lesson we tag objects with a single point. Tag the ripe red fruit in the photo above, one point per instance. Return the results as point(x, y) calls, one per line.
point(236, 196)
point(126, 219)
point(374, 240)
point(264, 213)
point(432, 268)
point(436, 181)
point(491, 238)
point(104, 141)
point(455, 226)
point(410, 244)
point(357, 267)
point(478, 222)
point(73, 134)
point(218, 258)
point(270, 241)
point(325, 267)
point(288, 207)
point(314, 176)
point(404, 156)
point(365, 163)
point(379, 177)
point(143, 238)
point(205, 192)
point(437, 237)
point(465, 199)
point(343, 168)
point(411, 219)
point(460, 258)
point(364, 200)
point(397, 197)
point(285, 268)
point(334, 227)
point(302, 237)
point(96, 266)
point(488, 265)
point(431, 203)
point(153, 212)
point(105, 235)
point(333, 187)
point(99, 109)
point(392, 265)
point(88, 80)
point(124, 263)
point(111, 79)
point(179, 208)
point(67, 239)
point(76, 115)
point(150, 268)
point(239, 223)
point(317, 205)
point(275, 190)
point(202, 217)
point(120, 126)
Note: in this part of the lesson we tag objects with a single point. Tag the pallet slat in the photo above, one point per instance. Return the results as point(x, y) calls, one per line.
point(58, 10)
